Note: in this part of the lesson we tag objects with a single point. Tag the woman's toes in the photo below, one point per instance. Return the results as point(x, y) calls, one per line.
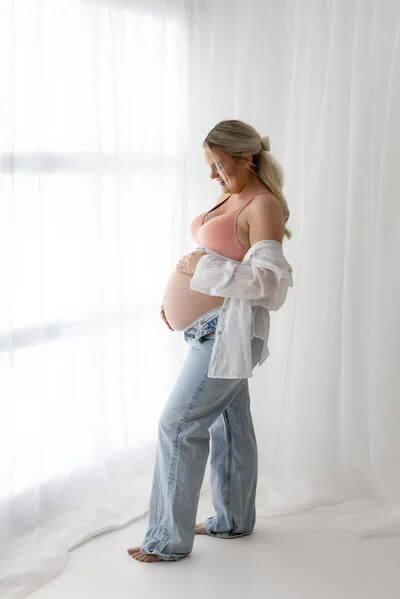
point(146, 557)
point(133, 550)
point(200, 529)
point(139, 556)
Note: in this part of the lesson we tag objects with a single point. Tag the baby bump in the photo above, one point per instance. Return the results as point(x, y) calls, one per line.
point(183, 305)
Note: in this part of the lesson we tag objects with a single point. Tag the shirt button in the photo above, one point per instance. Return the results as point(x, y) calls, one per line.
point(219, 332)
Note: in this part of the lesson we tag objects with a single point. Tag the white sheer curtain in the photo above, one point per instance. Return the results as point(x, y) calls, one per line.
point(322, 79)
point(104, 107)
point(92, 127)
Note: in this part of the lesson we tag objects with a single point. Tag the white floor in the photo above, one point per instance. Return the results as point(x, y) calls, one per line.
point(287, 557)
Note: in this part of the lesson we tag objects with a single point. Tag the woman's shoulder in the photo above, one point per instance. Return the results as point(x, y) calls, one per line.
point(265, 217)
point(264, 201)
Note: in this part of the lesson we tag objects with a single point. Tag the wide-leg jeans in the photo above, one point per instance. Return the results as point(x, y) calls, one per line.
point(200, 408)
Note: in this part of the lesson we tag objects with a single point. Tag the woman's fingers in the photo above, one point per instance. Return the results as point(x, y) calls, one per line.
point(165, 319)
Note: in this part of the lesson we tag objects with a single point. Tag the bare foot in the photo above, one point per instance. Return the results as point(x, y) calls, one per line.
point(200, 529)
point(139, 555)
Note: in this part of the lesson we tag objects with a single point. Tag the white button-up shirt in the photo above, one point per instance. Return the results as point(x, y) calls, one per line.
point(251, 288)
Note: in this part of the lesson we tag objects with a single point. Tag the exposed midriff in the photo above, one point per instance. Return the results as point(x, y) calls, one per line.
point(183, 305)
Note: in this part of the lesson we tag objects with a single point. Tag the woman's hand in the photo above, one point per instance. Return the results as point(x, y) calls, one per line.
point(188, 263)
point(164, 317)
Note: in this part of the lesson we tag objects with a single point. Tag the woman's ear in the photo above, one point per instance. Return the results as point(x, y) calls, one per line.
point(246, 159)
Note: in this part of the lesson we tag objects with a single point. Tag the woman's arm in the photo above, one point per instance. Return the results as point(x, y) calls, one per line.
point(261, 278)
point(267, 270)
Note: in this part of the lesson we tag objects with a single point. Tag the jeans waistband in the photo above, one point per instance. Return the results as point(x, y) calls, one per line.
point(204, 319)
point(202, 331)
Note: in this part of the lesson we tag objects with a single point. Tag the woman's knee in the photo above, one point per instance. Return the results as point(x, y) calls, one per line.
point(168, 420)
point(174, 421)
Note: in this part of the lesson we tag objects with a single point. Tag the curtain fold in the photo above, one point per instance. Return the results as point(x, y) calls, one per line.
point(92, 128)
point(322, 80)
point(104, 107)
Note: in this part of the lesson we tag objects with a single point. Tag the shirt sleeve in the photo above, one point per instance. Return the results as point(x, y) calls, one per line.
point(227, 278)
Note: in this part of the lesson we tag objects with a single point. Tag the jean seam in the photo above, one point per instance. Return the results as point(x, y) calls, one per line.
point(229, 462)
point(173, 471)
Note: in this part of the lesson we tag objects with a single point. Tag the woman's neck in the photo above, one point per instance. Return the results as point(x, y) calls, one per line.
point(253, 186)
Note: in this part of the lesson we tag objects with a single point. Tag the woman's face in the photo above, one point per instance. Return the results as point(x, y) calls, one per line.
point(231, 174)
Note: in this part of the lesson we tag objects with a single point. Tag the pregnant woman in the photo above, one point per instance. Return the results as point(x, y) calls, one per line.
point(220, 298)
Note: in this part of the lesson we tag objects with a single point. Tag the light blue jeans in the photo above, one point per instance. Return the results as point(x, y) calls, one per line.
point(200, 408)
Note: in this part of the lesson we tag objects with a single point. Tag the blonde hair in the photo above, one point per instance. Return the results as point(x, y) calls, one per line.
point(234, 137)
